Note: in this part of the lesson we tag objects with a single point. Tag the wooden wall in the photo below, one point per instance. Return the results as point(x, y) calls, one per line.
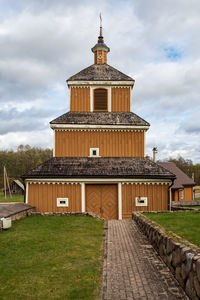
point(157, 195)
point(120, 99)
point(188, 194)
point(110, 143)
point(44, 197)
point(80, 99)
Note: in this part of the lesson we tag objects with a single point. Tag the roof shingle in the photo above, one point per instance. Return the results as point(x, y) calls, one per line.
point(103, 167)
point(100, 118)
point(100, 72)
point(181, 178)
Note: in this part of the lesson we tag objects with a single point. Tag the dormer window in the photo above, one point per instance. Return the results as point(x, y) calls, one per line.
point(100, 100)
point(94, 152)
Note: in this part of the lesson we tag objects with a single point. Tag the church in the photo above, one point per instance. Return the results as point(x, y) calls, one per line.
point(99, 162)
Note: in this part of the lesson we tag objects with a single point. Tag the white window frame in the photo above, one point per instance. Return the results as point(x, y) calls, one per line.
point(94, 149)
point(92, 96)
point(182, 194)
point(59, 204)
point(138, 203)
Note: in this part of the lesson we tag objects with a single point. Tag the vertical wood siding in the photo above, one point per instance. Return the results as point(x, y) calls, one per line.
point(80, 99)
point(110, 143)
point(120, 99)
point(188, 194)
point(44, 197)
point(157, 198)
point(176, 194)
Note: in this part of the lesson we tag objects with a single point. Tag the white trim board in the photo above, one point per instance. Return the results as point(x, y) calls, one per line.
point(89, 126)
point(99, 180)
point(83, 197)
point(27, 192)
point(119, 201)
point(100, 83)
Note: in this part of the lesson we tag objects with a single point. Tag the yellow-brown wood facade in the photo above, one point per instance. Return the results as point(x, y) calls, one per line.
point(157, 197)
point(120, 99)
point(188, 194)
point(80, 99)
point(110, 143)
point(44, 197)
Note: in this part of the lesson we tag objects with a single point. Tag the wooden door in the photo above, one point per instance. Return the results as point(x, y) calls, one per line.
point(101, 199)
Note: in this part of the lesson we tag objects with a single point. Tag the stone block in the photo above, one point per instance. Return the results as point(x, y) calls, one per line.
point(184, 251)
point(184, 272)
point(179, 277)
point(198, 269)
point(170, 246)
point(176, 257)
point(197, 286)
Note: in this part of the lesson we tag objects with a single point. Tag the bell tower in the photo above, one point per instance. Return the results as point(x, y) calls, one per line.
point(100, 50)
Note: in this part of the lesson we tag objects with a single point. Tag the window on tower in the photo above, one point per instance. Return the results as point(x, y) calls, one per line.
point(100, 100)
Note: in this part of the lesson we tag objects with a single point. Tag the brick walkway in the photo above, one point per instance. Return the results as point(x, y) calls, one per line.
point(132, 269)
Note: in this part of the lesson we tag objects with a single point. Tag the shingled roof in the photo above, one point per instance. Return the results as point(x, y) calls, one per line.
point(100, 72)
point(104, 167)
point(181, 178)
point(100, 118)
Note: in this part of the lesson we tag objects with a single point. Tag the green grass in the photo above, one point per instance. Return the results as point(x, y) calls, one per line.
point(9, 199)
point(185, 224)
point(51, 257)
point(198, 198)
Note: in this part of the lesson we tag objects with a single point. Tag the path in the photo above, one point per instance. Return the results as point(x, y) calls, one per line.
point(132, 268)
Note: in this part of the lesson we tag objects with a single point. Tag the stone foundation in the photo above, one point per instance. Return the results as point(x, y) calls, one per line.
point(182, 257)
point(184, 203)
point(66, 214)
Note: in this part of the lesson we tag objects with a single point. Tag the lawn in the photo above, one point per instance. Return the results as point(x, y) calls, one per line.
point(9, 199)
point(51, 257)
point(185, 224)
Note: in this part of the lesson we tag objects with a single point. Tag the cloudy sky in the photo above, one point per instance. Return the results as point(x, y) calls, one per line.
point(43, 42)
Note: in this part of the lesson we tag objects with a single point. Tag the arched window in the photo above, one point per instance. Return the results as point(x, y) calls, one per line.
point(100, 100)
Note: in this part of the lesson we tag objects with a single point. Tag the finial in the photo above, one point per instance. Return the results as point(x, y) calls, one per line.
point(100, 39)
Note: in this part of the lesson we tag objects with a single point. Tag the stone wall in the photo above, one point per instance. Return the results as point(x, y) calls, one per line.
point(19, 215)
point(182, 257)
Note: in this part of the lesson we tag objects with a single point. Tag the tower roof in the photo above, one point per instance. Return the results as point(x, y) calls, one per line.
point(100, 72)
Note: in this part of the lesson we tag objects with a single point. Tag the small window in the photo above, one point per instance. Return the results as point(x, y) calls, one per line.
point(141, 201)
point(100, 100)
point(62, 202)
point(94, 152)
point(182, 194)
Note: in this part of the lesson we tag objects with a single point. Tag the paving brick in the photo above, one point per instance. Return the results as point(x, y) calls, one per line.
point(132, 269)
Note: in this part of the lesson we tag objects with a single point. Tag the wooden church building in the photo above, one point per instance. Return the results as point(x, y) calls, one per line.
point(99, 162)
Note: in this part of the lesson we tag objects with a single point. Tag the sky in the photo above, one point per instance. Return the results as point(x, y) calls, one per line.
point(44, 42)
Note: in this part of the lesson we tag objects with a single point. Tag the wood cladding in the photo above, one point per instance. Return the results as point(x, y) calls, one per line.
point(102, 200)
point(44, 197)
point(100, 100)
point(188, 194)
point(120, 99)
point(80, 99)
point(110, 143)
point(100, 57)
point(157, 198)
